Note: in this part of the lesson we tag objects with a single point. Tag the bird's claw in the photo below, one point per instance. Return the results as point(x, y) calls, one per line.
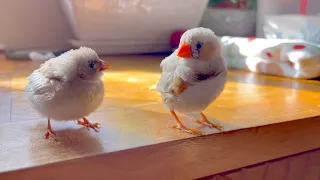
point(95, 126)
point(49, 133)
point(188, 130)
point(209, 124)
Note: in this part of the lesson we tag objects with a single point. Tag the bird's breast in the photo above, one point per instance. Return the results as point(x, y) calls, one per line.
point(197, 97)
point(75, 101)
point(87, 92)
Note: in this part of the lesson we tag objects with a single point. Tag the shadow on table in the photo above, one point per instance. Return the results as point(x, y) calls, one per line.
point(67, 144)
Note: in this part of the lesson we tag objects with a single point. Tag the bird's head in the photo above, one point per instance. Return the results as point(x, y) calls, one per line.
point(88, 64)
point(200, 44)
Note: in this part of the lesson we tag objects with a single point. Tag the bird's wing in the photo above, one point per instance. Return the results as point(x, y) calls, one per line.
point(168, 66)
point(170, 63)
point(40, 85)
point(165, 83)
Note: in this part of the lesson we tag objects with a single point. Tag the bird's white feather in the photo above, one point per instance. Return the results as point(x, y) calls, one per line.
point(39, 85)
point(56, 91)
point(170, 63)
point(168, 67)
point(200, 93)
point(199, 96)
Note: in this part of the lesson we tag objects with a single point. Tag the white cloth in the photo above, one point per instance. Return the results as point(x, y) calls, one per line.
point(286, 58)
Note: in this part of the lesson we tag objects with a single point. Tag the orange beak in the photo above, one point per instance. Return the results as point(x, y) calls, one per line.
point(185, 51)
point(104, 66)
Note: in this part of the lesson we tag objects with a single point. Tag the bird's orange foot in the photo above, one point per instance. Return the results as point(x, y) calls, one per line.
point(188, 130)
point(49, 133)
point(86, 123)
point(209, 124)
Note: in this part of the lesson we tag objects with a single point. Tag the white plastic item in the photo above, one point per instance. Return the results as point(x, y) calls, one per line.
point(230, 22)
point(134, 21)
point(293, 26)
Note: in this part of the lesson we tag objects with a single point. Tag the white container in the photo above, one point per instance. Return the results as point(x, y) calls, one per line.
point(131, 22)
point(230, 22)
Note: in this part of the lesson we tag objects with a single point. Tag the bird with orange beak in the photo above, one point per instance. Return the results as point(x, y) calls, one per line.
point(68, 87)
point(193, 76)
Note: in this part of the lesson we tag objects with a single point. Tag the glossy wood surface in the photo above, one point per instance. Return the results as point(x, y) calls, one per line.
point(132, 114)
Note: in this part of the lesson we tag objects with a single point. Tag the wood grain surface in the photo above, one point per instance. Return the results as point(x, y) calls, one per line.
point(134, 141)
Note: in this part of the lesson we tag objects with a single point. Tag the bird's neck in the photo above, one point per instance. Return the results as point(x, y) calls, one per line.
point(197, 71)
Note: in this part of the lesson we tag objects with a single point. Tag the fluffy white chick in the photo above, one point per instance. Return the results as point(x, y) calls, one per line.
point(193, 76)
point(68, 87)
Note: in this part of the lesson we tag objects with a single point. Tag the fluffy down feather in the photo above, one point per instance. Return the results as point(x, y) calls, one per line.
point(65, 87)
point(193, 76)
point(205, 77)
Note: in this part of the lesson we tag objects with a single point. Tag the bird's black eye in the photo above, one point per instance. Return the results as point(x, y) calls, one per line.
point(199, 45)
point(91, 65)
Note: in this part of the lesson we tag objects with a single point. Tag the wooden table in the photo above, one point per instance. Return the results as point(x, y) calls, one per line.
point(264, 118)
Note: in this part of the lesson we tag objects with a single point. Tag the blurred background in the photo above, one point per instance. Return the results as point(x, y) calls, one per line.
point(116, 27)
point(64, 23)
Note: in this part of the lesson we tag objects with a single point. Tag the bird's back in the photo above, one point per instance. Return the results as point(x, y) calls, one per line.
point(168, 67)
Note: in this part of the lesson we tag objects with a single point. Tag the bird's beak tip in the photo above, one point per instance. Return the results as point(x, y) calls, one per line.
point(105, 66)
point(185, 51)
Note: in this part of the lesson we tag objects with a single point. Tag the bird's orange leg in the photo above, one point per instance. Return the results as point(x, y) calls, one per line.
point(86, 123)
point(206, 122)
point(182, 127)
point(49, 130)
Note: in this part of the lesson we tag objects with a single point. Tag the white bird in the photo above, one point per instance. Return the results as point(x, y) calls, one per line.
point(193, 76)
point(68, 87)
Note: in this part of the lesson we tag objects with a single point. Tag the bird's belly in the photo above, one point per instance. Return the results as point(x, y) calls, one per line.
point(71, 109)
point(197, 98)
point(194, 101)
point(71, 106)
